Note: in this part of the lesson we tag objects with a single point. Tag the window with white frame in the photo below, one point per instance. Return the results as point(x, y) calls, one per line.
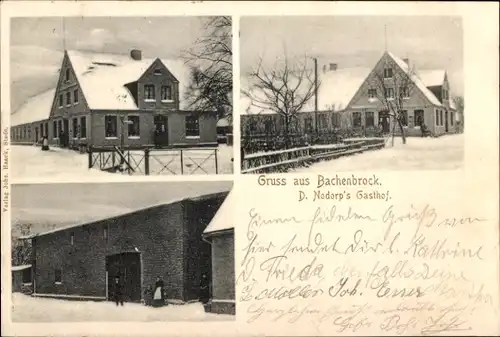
point(75, 127)
point(372, 93)
point(149, 92)
point(356, 119)
point(389, 93)
point(83, 127)
point(419, 117)
point(68, 98)
point(67, 75)
point(54, 130)
point(192, 126)
point(75, 96)
point(166, 93)
point(308, 124)
point(111, 126)
point(404, 92)
point(61, 102)
point(58, 276)
point(404, 117)
point(369, 119)
point(133, 126)
point(388, 73)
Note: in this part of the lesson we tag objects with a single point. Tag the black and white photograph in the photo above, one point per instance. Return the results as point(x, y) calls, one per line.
point(136, 252)
point(330, 93)
point(94, 96)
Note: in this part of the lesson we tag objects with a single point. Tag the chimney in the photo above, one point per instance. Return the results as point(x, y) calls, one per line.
point(333, 66)
point(407, 61)
point(136, 54)
point(324, 69)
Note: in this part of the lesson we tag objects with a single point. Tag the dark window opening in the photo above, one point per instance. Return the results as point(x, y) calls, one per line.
point(111, 126)
point(192, 126)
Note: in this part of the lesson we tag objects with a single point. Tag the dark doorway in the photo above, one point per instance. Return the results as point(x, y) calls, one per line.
point(383, 121)
point(36, 134)
point(161, 130)
point(446, 120)
point(127, 266)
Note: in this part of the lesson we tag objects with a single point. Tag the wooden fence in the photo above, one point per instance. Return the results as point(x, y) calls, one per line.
point(283, 160)
point(155, 161)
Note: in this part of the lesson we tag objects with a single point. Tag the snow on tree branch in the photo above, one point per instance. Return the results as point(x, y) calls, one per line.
point(211, 68)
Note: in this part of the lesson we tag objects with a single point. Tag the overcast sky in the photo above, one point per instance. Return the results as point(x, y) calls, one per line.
point(37, 44)
point(356, 41)
point(64, 204)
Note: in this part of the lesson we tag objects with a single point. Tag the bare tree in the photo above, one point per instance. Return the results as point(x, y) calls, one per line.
point(285, 89)
point(211, 68)
point(459, 104)
point(21, 249)
point(393, 89)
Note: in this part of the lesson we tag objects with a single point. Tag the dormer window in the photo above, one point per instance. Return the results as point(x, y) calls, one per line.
point(67, 75)
point(157, 72)
point(388, 73)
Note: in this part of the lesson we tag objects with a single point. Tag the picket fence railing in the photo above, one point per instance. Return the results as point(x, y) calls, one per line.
point(284, 160)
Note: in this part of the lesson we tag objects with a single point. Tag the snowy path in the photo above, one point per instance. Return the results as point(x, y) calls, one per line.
point(29, 162)
point(444, 153)
point(29, 309)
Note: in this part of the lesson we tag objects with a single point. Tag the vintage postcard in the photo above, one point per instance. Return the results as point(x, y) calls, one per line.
point(390, 88)
point(88, 95)
point(363, 200)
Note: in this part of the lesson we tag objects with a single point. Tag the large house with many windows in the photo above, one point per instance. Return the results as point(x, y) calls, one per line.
point(357, 99)
point(105, 100)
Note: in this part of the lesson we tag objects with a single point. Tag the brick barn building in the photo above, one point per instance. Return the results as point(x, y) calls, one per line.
point(108, 100)
point(352, 98)
point(220, 234)
point(161, 241)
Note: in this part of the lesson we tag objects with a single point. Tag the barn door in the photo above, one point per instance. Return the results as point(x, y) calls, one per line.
point(127, 266)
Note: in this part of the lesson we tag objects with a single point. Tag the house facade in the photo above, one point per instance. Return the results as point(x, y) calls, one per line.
point(220, 234)
point(106, 100)
point(357, 99)
point(162, 241)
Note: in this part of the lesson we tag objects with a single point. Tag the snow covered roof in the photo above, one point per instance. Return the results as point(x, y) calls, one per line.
point(223, 219)
point(19, 268)
point(223, 122)
point(36, 108)
point(89, 203)
point(432, 78)
point(338, 87)
point(102, 78)
point(416, 80)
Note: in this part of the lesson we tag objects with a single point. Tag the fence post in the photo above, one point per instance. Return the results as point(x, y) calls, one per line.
point(216, 163)
point(182, 163)
point(146, 161)
point(113, 158)
point(89, 151)
point(128, 162)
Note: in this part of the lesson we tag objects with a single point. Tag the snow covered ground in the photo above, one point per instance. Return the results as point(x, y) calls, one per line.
point(29, 162)
point(444, 153)
point(30, 309)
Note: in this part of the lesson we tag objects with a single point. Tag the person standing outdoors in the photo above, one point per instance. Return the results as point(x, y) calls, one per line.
point(119, 290)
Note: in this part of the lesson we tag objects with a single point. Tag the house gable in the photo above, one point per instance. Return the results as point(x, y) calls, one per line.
point(417, 97)
point(67, 84)
point(159, 77)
